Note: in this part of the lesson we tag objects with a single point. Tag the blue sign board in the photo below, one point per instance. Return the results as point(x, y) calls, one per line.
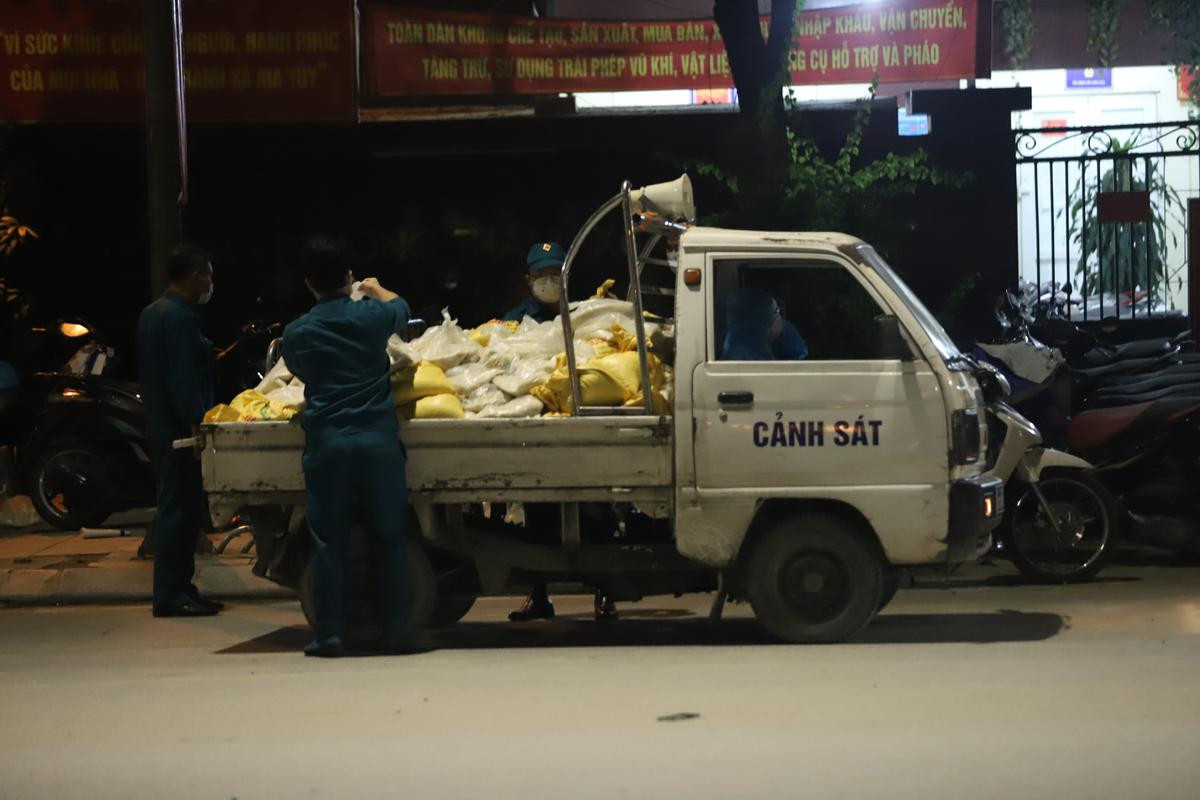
point(913, 124)
point(1090, 78)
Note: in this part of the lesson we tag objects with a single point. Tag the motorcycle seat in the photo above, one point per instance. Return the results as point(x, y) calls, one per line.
point(1090, 431)
point(1143, 348)
point(1127, 367)
point(1106, 399)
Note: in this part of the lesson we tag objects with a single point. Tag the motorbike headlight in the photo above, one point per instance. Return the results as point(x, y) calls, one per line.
point(73, 330)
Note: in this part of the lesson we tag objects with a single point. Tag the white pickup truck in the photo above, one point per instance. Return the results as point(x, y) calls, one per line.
point(805, 486)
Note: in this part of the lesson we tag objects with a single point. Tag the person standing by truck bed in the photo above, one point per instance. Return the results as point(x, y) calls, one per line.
point(175, 369)
point(353, 459)
point(544, 263)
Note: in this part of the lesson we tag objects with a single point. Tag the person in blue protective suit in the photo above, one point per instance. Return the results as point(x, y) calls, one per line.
point(757, 331)
point(544, 264)
point(353, 459)
point(175, 369)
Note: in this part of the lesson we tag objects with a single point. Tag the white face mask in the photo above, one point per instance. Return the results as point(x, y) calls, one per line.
point(776, 329)
point(548, 289)
point(204, 298)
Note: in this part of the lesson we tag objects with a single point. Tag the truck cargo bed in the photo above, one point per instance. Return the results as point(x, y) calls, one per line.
point(459, 461)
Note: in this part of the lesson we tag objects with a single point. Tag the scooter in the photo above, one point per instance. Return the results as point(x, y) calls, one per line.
point(1148, 455)
point(1061, 524)
point(86, 456)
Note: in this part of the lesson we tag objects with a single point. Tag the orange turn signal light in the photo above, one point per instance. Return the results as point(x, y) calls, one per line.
point(989, 507)
point(691, 277)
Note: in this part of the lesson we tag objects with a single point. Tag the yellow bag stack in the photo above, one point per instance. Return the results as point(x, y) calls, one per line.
point(422, 391)
point(251, 406)
point(611, 378)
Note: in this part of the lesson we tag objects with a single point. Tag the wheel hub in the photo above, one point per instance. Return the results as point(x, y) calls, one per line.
point(816, 586)
point(1069, 523)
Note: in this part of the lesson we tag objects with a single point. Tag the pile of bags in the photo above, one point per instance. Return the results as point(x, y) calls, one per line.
point(504, 370)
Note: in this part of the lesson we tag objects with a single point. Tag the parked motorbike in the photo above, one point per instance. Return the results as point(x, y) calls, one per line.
point(86, 456)
point(1061, 525)
point(1133, 411)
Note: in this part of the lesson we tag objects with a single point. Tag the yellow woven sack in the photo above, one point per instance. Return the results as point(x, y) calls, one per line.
point(254, 406)
point(422, 380)
point(610, 380)
point(437, 406)
point(221, 413)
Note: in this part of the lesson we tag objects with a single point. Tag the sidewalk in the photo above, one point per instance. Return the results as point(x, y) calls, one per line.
point(39, 566)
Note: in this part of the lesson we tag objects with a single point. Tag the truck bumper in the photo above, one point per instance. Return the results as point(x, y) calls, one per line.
point(976, 508)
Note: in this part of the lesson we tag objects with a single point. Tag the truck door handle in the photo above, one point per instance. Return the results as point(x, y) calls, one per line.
point(735, 398)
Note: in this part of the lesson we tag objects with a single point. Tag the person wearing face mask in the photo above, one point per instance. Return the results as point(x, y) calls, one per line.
point(544, 263)
point(757, 331)
point(175, 369)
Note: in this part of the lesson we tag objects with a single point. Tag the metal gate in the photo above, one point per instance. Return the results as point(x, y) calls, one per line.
point(1103, 215)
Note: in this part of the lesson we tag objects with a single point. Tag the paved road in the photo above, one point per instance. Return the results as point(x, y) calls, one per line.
point(979, 690)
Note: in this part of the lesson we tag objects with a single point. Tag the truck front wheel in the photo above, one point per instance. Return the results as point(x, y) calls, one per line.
point(814, 578)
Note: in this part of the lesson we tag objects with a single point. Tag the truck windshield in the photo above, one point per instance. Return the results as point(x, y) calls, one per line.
point(933, 329)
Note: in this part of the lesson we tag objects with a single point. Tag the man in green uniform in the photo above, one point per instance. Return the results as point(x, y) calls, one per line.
point(353, 459)
point(175, 368)
point(544, 263)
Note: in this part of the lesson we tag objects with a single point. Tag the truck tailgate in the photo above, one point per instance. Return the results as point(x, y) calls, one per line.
point(555, 458)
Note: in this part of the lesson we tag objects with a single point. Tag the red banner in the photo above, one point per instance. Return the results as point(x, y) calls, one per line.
point(408, 51)
point(244, 61)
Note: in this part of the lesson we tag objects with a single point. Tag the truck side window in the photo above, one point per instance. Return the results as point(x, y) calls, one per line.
point(792, 310)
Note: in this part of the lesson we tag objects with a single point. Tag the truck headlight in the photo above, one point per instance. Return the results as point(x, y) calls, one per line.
point(964, 436)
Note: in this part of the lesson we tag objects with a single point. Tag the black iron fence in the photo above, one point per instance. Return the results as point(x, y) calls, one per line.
point(1103, 216)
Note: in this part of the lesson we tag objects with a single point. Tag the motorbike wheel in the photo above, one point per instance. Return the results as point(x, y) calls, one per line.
point(1088, 521)
point(68, 485)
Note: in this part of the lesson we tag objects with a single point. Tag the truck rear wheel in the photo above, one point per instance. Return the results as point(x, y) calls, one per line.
point(814, 578)
point(363, 626)
point(449, 609)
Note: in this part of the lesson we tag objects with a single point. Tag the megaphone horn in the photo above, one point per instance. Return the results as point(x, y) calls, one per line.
point(671, 200)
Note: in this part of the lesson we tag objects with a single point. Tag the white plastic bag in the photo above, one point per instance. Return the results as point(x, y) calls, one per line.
point(400, 353)
point(527, 406)
point(276, 378)
point(466, 378)
point(290, 395)
point(523, 376)
point(446, 345)
point(486, 395)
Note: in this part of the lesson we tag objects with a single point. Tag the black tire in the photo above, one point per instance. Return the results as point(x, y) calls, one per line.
point(891, 585)
point(449, 609)
point(814, 578)
point(69, 486)
point(363, 628)
point(1089, 519)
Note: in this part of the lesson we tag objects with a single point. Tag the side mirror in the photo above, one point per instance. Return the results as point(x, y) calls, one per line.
point(890, 342)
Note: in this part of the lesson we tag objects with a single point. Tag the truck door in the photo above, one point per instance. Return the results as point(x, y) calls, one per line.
point(793, 395)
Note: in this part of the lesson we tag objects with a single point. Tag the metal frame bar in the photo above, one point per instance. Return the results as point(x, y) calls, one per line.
point(634, 261)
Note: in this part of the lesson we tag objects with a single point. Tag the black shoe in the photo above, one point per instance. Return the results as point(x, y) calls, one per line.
point(330, 647)
point(606, 609)
point(184, 607)
point(533, 608)
point(205, 601)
